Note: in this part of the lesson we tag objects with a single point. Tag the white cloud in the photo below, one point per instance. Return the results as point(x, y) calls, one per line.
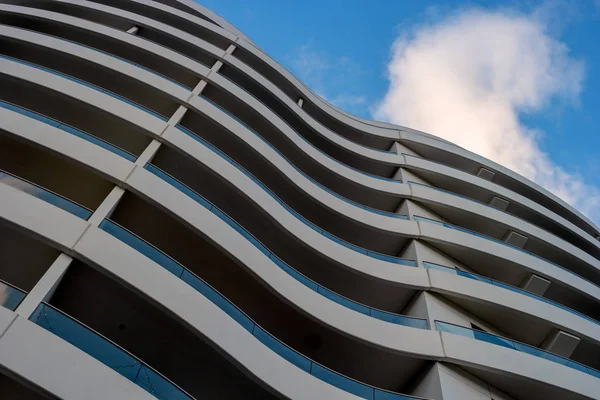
point(467, 79)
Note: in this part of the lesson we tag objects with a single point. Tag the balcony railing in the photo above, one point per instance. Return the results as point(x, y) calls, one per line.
point(373, 254)
point(45, 195)
point(513, 344)
point(107, 352)
point(299, 136)
point(89, 85)
point(291, 355)
point(10, 295)
point(69, 129)
point(492, 239)
point(515, 289)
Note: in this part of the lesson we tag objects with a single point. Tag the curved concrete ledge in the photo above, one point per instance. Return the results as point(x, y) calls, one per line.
point(440, 234)
point(454, 285)
point(183, 61)
point(124, 111)
point(420, 138)
point(486, 356)
point(494, 189)
point(75, 50)
point(107, 164)
point(57, 227)
point(430, 195)
point(56, 366)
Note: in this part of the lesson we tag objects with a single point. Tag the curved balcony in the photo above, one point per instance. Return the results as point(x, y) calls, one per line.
point(383, 257)
point(45, 195)
point(319, 371)
point(512, 344)
point(107, 352)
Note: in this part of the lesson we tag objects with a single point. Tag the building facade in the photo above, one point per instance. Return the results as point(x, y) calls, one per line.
point(181, 218)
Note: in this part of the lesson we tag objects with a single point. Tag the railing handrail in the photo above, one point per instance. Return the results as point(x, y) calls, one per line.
point(259, 326)
point(45, 189)
point(277, 198)
point(541, 298)
point(516, 341)
point(13, 286)
point(116, 345)
point(70, 126)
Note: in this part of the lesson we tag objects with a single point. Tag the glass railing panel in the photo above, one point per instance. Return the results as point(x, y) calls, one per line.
point(110, 227)
point(400, 319)
point(106, 352)
point(69, 129)
point(505, 286)
point(45, 195)
point(10, 296)
point(512, 344)
point(142, 246)
point(342, 382)
point(158, 386)
point(458, 228)
point(344, 301)
point(89, 85)
point(217, 299)
point(284, 351)
point(384, 257)
point(87, 341)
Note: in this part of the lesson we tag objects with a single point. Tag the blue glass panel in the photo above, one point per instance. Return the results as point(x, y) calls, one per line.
point(160, 388)
point(400, 319)
point(593, 372)
point(342, 382)
point(181, 187)
point(10, 297)
point(493, 339)
point(217, 299)
point(142, 246)
point(473, 276)
point(29, 114)
point(295, 274)
point(284, 351)
point(86, 340)
point(439, 267)
point(343, 301)
point(45, 195)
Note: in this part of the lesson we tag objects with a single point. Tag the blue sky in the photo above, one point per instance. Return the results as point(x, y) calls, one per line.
point(541, 91)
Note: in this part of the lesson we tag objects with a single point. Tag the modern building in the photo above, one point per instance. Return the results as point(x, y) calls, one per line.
point(181, 218)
